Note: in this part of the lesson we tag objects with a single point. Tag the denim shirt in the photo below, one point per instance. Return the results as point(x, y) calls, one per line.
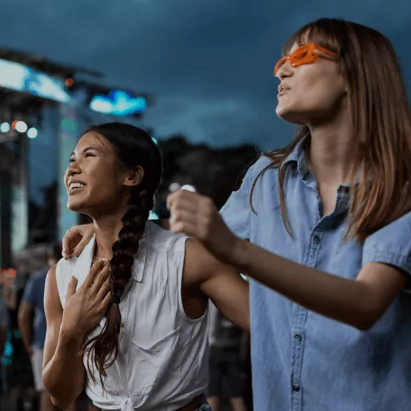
point(303, 361)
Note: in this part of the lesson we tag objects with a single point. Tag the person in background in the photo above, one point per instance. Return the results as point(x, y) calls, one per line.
point(32, 324)
point(226, 362)
point(3, 325)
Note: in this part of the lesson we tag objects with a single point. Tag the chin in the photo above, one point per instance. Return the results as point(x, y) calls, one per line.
point(290, 115)
point(76, 205)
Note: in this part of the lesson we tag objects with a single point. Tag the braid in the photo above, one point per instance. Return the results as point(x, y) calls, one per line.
point(105, 345)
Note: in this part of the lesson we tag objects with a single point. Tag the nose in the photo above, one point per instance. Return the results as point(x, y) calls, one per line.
point(284, 71)
point(73, 169)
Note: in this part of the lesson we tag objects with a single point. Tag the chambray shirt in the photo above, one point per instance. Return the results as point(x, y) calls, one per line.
point(303, 361)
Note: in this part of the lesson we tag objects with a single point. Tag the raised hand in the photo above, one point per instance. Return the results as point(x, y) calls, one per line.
point(76, 239)
point(197, 216)
point(85, 307)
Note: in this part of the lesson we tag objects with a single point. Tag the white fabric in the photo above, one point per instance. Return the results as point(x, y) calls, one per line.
point(163, 355)
point(37, 366)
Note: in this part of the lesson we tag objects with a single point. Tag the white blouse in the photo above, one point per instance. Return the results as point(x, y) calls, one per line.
point(162, 362)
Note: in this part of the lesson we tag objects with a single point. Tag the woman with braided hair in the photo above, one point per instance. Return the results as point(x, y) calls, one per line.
point(127, 319)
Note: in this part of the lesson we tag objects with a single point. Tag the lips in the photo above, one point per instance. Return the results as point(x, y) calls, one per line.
point(282, 88)
point(75, 185)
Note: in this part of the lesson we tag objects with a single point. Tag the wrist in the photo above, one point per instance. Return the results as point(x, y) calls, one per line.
point(71, 336)
point(238, 252)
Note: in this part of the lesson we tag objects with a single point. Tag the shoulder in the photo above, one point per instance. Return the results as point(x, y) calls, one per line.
point(159, 239)
point(260, 174)
point(200, 264)
point(62, 273)
point(391, 244)
point(261, 165)
point(53, 305)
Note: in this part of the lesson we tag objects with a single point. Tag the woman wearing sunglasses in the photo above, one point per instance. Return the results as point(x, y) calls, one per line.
point(329, 223)
point(329, 227)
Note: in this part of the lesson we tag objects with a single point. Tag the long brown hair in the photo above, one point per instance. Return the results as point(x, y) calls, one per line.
point(133, 148)
point(381, 120)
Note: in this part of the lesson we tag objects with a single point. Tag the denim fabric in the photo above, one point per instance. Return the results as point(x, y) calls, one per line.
point(303, 361)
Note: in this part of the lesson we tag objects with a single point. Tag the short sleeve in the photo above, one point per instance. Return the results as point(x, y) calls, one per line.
point(391, 245)
point(29, 295)
point(3, 315)
point(236, 212)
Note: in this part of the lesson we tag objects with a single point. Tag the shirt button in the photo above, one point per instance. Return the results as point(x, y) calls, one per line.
point(296, 387)
point(316, 239)
point(298, 337)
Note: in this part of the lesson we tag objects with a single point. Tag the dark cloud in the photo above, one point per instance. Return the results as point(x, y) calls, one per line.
point(209, 62)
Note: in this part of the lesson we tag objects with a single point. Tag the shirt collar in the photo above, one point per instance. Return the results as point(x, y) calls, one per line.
point(298, 156)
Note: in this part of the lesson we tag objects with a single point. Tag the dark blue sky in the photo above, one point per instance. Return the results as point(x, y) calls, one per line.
point(209, 62)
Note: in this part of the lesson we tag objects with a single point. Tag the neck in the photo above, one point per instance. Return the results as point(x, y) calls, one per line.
point(331, 152)
point(107, 229)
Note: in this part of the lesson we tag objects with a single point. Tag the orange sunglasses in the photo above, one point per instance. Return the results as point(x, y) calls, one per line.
point(306, 54)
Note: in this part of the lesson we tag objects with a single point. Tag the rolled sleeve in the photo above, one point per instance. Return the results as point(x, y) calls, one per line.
point(236, 212)
point(391, 245)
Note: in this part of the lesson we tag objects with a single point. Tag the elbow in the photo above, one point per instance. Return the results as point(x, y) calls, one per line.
point(366, 319)
point(60, 402)
point(57, 398)
point(62, 405)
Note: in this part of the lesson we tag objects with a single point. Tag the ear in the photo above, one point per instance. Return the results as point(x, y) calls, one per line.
point(134, 177)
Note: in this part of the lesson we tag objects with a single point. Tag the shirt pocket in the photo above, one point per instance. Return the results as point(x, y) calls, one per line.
point(154, 363)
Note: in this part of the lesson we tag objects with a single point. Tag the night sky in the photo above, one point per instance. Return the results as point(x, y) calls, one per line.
point(208, 62)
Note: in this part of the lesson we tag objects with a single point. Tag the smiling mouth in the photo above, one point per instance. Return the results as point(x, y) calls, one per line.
point(75, 187)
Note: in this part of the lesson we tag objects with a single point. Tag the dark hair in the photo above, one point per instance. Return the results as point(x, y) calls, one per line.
point(381, 119)
point(55, 251)
point(134, 148)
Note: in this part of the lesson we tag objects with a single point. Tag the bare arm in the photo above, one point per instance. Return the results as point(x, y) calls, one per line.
point(358, 302)
point(25, 318)
point(219, 282)
point(63, 370)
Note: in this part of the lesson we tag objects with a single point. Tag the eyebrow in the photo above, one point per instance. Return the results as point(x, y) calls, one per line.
point(85, 150)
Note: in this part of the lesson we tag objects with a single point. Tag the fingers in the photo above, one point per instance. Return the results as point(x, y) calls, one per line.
point(106, 301)
point(182, 202)
point(101, 278)
point(178, 216)
point(71, 289)
point(76, 239)
point(92, 275)
point(184, 227)
point(103, 290)
point(71, 238)
point(88, 232)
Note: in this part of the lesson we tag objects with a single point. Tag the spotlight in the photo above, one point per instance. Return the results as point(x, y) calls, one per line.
point(5, 127)
point(32, 132)
point(21, 126)
point(69, 82)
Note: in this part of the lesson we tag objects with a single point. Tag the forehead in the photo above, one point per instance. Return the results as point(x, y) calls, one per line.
point(91, 140)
